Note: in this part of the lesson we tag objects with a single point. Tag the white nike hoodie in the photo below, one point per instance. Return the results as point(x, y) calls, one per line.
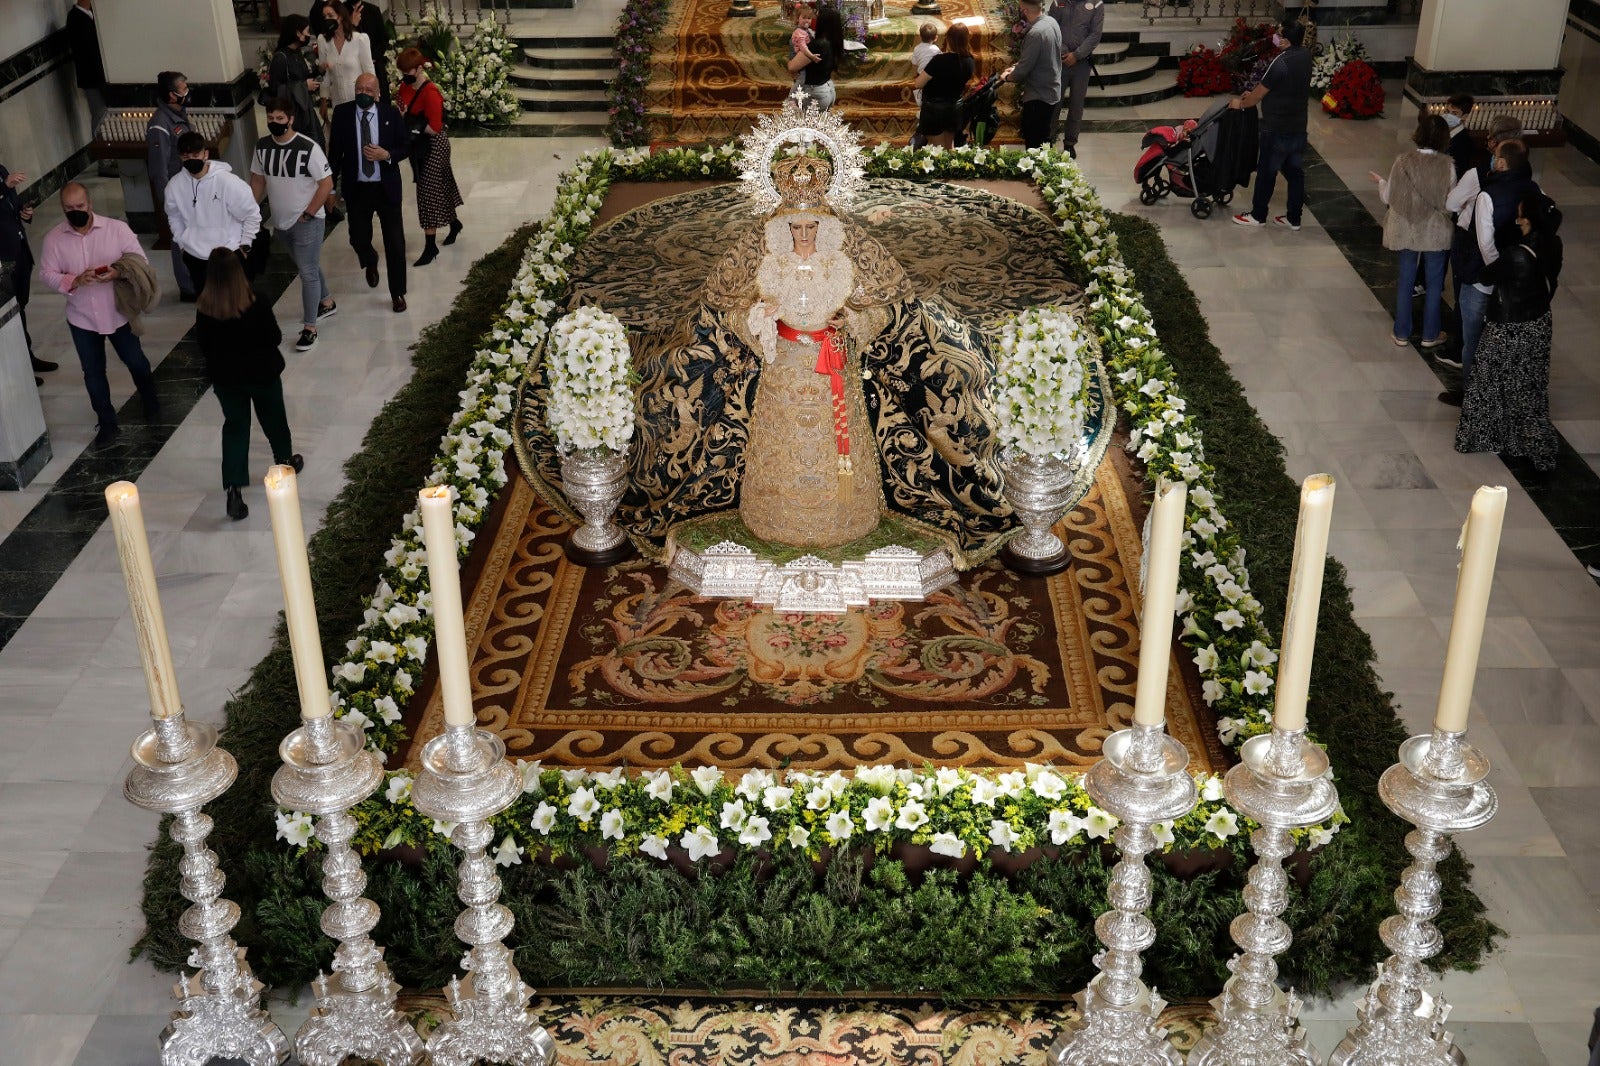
point(217, 210)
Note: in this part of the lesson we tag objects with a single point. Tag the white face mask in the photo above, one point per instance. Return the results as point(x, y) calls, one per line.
point(1279, 41)
point(1452, 119)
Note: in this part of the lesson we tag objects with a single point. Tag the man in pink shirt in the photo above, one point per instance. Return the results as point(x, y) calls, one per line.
point(79, 260)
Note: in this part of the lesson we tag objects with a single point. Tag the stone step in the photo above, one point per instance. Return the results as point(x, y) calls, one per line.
point(563, 101)
point(539, 78)
point(550, 38)
point(570, 58)
point(1110, 51)
point(1123, 71)
point(561, 124)
point(1161, 84)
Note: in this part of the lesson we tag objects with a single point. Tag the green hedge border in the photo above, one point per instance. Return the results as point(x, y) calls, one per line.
point(780, 924)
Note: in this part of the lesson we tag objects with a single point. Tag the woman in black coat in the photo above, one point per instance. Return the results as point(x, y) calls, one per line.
point(1506, 408)
point(239, 338)
point(292, 78)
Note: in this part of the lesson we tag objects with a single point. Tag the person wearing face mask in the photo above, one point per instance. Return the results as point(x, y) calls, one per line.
point(209, 207)
point(367, 140)
point(1464, 152)
point(291, 171)
point(1507, 404)
point(1283, 93)
point(438, 196)
point(343, 54)
point(291, 76)
point(83, 257)
point(169, 122)
point(366, 17)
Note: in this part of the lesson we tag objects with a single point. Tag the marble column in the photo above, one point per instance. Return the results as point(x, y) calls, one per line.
point(24, 444)
point(1506, 55)
point(200, 38)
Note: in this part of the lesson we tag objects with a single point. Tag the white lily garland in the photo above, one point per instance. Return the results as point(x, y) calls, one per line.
point(1222, 624)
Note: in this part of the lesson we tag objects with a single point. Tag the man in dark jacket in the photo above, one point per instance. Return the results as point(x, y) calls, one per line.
point(1282, 94)
point(17, 255)
point(83, 40)
point(170, 121)
point(366, 141)
point(1081, 24)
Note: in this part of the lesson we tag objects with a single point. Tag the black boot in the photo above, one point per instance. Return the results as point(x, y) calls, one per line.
point(430, 252)
point(237, 510)
point(455, 231)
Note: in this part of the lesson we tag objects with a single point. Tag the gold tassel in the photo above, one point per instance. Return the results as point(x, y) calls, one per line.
point(847, 480)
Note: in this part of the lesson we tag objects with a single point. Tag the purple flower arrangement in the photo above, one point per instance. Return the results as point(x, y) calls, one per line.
point(637, 27)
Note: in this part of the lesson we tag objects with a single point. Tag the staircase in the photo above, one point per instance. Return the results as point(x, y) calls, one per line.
point(1129, 71)
point(562, 82)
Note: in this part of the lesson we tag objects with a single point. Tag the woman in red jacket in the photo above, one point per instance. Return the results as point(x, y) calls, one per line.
point(422, 104)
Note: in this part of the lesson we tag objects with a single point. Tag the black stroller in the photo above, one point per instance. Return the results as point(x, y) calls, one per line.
point(1202, 160)
point(980, 114)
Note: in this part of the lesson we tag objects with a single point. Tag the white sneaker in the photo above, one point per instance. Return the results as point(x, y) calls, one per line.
point(1246, 219)
point(1447, 360)
point(1594, 571)
point(1283, 220)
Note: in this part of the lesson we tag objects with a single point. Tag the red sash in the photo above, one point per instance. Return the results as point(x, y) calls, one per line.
point(830, 361)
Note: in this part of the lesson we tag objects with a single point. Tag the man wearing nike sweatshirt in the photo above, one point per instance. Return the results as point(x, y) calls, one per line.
point(209, 207)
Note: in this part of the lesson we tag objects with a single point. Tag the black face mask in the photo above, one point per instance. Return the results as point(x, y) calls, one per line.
point(277, 129)
point(77, 219)
point(180, 101)
point(409, 79)
point(194, 166)
point(365, 100)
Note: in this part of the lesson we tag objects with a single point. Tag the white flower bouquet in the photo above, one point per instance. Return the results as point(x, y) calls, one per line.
point(591, 394)
point(1339, 51)
point(1041, 382)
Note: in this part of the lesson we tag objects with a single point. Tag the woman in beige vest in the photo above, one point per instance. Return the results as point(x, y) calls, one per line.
point(1418, 226)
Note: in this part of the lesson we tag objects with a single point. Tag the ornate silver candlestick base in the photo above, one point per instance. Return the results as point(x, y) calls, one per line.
point(594, 482)
point(1438, 786)
point(326, 771)
point(1142, 780)
point(465, 779)
point(1281, 783)
point(180, 769)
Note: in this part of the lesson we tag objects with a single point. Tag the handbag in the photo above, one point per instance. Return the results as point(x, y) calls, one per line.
point(421, 140)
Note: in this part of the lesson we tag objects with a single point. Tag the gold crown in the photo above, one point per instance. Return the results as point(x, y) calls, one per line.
point(802, 183)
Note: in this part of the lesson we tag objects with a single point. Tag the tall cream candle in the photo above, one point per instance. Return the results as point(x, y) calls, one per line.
point(1160, 600)
point(139, 572)
point(449, 624)
point(1305, 597)
point(299, 607)
point(1481, 543)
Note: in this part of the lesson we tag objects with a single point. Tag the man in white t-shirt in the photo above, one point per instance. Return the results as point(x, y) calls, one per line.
point(291, 170)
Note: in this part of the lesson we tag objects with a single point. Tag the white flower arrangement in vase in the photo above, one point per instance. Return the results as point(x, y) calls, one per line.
point(1041, 382)
point(1341, 50)
point(591, 372)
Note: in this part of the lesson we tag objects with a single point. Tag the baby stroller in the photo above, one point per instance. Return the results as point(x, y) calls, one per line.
point(980, 117)
point(1180, 160)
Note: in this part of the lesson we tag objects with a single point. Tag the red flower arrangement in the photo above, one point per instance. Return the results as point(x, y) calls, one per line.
point(1247, 51)
point(1356, 92)
point(1202, 73)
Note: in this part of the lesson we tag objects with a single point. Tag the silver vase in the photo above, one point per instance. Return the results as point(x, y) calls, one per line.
point(1039, 490)
point(594, 480)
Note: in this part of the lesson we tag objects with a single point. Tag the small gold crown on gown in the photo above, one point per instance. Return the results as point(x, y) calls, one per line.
point(802, 183)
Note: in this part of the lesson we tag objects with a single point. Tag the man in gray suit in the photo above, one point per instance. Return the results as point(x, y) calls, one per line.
point(1081, 24)
point(1038, 71)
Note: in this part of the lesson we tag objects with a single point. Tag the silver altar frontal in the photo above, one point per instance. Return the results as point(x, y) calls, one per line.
point(727, 570)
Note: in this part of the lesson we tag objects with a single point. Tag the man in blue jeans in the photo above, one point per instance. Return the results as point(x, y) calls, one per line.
point(291, 170)
point(1283, 94)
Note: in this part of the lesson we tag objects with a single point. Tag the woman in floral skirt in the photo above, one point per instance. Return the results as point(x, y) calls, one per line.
point(1507, 404)
point(422, 104)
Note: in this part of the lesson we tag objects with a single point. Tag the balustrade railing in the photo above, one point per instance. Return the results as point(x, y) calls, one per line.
point(461, 14)
point(1259, 10)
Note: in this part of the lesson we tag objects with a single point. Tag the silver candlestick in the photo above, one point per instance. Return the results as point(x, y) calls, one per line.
point(1282, 784)
point(180, 769)
point(326, 771)
point(466, 779)
point(1142, 779)
point(1438, 786)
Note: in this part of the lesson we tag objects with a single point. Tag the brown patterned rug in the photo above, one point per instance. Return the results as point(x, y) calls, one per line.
point(609, 667)
point(712, 75)
point(679, 1031)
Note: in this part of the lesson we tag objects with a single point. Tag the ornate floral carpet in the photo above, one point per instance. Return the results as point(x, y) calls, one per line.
point(712, 76)
point(657, 1031)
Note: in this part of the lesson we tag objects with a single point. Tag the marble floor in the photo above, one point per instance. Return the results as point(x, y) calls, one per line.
point(1305, 335)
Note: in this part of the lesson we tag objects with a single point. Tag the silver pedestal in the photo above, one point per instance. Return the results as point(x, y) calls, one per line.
point(1039, 489)
point(180, 769)
point(1142, 779)
point(1438, 786)
point(466, 779)
point(593, 482)
point(1282, 784)
point(326, 771)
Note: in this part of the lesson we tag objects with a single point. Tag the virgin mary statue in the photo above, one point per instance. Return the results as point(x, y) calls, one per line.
point(810, 390)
